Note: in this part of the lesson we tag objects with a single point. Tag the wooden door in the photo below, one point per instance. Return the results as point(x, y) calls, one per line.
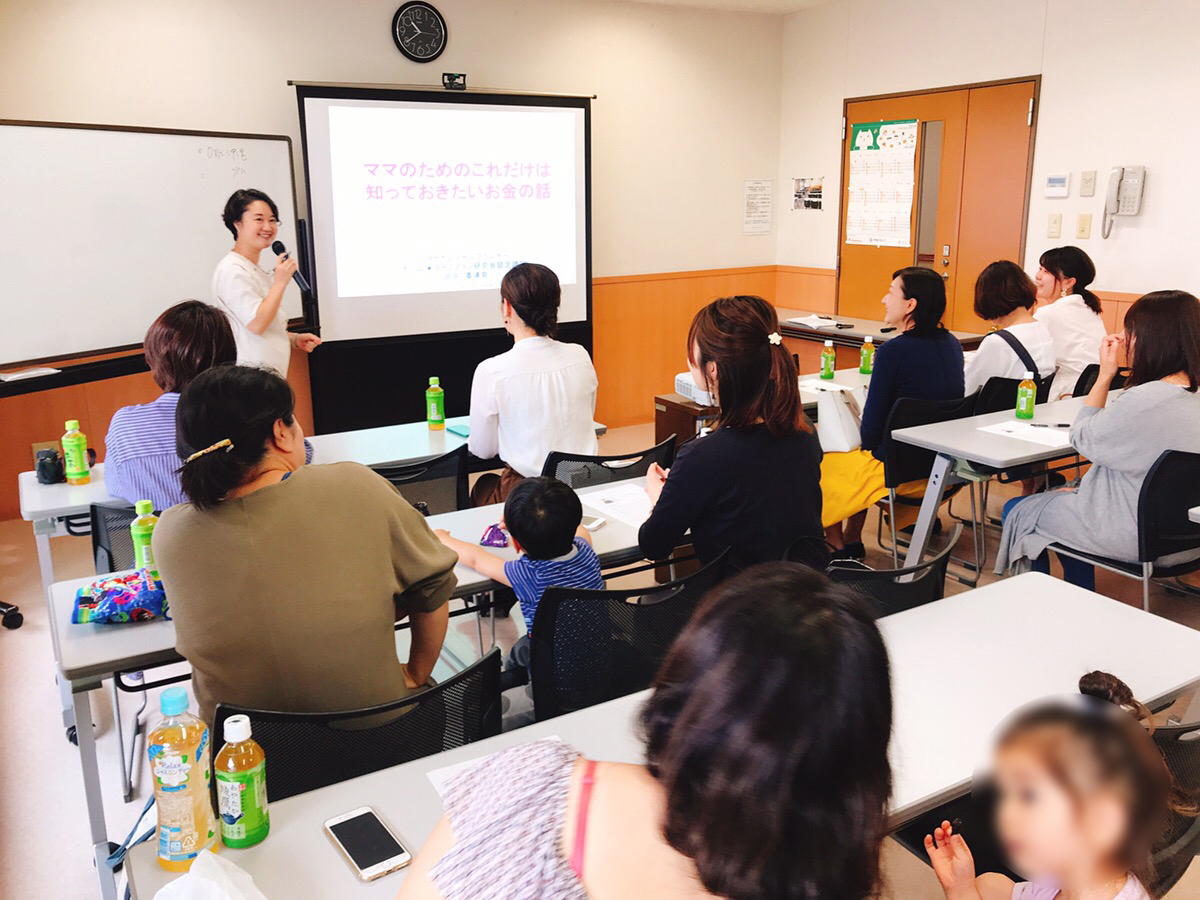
point(974, 189)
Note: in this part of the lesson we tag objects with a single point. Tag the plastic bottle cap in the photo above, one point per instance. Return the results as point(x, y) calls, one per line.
point(829, 343)
point(173, 701)
point(434, 381)
point(867, 340)
point(1028, 377)
point(144, 507)
point(237, 729)
point(72, 424)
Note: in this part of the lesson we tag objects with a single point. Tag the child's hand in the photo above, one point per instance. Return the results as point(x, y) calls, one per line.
point(952, 862)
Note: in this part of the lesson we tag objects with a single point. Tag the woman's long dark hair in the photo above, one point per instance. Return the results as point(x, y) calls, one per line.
point(768, 729)
point(1071, 262)
point(756, 379)
point(928, 288)
point(240, 404)
point(1164, 328)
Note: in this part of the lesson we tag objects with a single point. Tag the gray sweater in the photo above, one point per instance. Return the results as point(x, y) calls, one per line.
point(1122, 442)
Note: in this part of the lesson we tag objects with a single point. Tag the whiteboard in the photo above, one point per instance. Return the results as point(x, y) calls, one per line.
point(102, 229)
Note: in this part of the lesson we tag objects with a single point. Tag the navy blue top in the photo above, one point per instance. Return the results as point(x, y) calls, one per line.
point(924, 368)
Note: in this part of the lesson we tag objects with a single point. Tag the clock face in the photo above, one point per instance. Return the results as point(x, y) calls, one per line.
point(419, 31)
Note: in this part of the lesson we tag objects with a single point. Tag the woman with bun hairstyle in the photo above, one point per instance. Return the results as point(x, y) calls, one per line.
point(753, 485)
point(1082, 797)
point(1071, 312)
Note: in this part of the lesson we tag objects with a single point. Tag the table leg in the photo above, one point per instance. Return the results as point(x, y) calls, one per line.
point(935, 490)
point(42, 531)
point(92, 793)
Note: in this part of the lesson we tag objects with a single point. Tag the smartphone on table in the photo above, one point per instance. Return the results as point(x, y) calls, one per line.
point(593, 523)
point(367, 843)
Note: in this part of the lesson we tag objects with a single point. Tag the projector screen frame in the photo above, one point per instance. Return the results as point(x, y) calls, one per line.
point(432, 94)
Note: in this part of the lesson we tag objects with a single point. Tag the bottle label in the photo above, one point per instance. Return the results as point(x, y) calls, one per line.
point(1025, 398)
point(828, 363)
point(143, 555)
point(242, 802)
point(75, 458)
point(171, 770)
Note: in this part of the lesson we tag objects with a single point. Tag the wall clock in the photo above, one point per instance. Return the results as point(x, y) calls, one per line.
point(419, 31)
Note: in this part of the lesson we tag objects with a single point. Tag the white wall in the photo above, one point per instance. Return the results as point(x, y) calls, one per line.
point(1119, 86)
point(688, 99)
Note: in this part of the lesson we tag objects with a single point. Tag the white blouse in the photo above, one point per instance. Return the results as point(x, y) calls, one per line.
point(995, 359)
point(239, 286)
point(1077, 333)
point(537, 397)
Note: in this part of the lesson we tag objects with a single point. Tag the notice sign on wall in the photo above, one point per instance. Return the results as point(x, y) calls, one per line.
point(756, 207)
point(882, 166)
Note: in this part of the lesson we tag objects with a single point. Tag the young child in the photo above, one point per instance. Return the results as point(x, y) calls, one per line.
point(1082, 794)
point(542, 517)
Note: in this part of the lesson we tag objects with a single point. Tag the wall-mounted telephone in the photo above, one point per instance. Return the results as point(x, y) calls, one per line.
point(1124, 194)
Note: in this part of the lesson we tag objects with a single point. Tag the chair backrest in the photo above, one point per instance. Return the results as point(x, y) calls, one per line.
point(580, 471)
point(895, 590)
point(311, 750)
point(590, 646)
point(905, 462)
point(1171, 488)
point(1180, 841)
point(999, 394)
point(1088, 377)
point(112, 544)
point(433, 486)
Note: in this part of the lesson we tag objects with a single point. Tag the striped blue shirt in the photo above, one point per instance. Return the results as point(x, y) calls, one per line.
point(580, 568)
point(140, 462)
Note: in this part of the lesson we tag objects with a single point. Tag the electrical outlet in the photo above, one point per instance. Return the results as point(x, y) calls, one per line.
point(1054, 226)
point(1087, 183)
point(1083, 226)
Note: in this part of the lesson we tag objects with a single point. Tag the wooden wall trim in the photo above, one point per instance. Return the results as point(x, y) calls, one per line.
point(696, 273)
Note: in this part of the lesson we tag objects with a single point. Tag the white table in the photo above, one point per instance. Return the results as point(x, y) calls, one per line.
point(48, 506)
point(87, 654)
point(959, 666)
point(961, 440)
point(859, 329)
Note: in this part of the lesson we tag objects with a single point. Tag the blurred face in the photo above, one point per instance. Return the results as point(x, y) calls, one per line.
point(706, 378)
point(896, 307)
point(258, 226)
point(1050, 287)
point(1045, 833)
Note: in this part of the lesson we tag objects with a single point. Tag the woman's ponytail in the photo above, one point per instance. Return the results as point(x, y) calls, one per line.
point(224, 419)
point(1111, 688)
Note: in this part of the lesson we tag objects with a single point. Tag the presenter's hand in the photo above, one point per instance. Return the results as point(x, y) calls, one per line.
point(306, 342)
point(285, 268)
point(1110, 356)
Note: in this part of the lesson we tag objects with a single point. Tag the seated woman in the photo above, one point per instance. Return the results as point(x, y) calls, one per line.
point(1004, 298)
point(753, 485)
point(285, 580)
point(735, 799)
point(1071, 312)
point(537, 397)
point(1158, 411)
point(924, 361)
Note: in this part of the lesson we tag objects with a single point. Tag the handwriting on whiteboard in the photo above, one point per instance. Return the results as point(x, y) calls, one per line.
point(233, 153)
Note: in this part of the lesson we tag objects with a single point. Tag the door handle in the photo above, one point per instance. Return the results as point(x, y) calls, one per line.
point(945, 276)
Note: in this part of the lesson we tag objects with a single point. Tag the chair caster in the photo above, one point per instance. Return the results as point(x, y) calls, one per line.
point(73, 736)
point(10, 616)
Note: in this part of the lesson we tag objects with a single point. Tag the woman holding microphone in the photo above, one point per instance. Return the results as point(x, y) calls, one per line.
point(251, 297)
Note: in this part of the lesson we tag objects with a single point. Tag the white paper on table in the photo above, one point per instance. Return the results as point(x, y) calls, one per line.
point(626, 502)
point(814, 321)
point(814, 384)
point(1049, 437)
point(440, 778)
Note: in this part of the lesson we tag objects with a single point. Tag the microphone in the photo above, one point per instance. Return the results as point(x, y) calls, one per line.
point(279, 250)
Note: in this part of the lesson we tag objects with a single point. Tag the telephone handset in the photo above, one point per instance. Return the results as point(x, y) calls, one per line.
point(1125, 185)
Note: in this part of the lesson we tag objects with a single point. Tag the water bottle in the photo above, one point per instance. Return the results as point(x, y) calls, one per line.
point(828, 360)
point(141, 530)
point(75, 455)
point(866, 356)
point(1026, 396)
point(178, 749)
point(435, 405)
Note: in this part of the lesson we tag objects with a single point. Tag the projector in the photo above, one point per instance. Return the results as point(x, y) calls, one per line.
point(686, 385)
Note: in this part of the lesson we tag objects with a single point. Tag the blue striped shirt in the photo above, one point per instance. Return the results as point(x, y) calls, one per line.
point(529, 578)
point(140, 462)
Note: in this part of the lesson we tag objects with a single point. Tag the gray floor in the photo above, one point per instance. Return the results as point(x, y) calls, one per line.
point(45, 852)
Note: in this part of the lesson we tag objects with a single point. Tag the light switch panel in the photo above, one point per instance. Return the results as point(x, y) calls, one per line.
point(1083, 226)
point(1054, 225)
point(1087, 183)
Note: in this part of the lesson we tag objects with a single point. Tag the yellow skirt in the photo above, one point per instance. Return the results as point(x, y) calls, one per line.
point(852, 482)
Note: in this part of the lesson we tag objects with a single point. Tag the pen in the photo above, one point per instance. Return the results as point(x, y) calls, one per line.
point(1050, 425)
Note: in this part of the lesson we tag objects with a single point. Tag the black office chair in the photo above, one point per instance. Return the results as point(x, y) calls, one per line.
point(433, 486)
point(112, 543)
point(1180, 842)
point(999, 394)
point(591, 646)
point(312, 750)
point(1171, 488)
point(904, 463)
point(1088, 377)
point(895, 590)
point(581, 471)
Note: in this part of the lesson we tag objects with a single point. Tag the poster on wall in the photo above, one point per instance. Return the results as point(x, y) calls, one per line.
point(806, 193)
point(882, 165)
point(756, 207)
